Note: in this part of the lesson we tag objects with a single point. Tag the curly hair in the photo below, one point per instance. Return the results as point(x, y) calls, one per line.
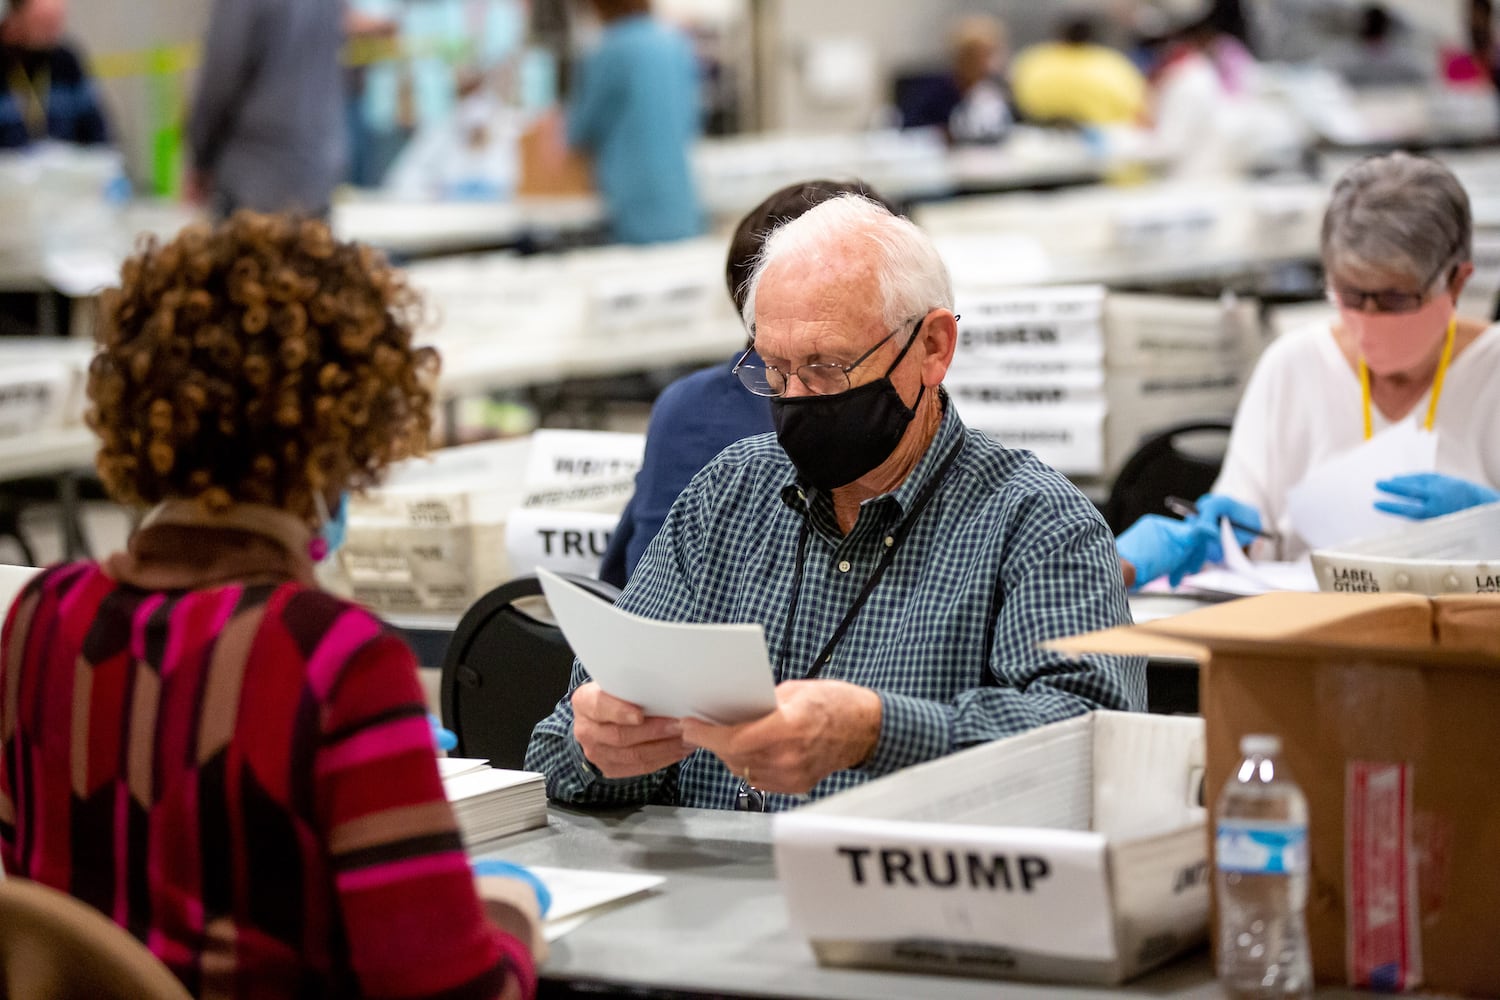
point(257, 362)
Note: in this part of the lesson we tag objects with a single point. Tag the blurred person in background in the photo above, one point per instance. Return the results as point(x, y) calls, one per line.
point(636, 110)
point(701, 414)
point(257, 797)
point(267, 129)
point(1473, 64)
point(471, 155)
point(982, 112)
point(1397, 243)
point(1076, 81)
point(47, 94)
point(971, 103)
point(1482, 37)
point(1200, 118)
point(1384, 52)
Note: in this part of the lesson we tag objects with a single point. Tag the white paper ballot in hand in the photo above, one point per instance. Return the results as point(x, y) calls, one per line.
point(718, 673)
point(1240, 577)
point(1335, 502)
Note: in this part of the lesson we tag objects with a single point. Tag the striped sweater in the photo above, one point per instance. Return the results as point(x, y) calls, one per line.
point(242, 775)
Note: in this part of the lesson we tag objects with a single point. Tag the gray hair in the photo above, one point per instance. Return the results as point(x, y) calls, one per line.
point(913, 278)
point(1397, 214)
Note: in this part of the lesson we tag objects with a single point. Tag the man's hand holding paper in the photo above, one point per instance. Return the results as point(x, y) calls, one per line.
point(621, 740)
point(819, 727)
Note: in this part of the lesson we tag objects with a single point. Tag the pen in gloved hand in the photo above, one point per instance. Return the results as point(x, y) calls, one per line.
point(1184, 508)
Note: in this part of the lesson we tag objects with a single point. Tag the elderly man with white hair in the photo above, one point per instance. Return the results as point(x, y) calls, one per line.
point(904, 567)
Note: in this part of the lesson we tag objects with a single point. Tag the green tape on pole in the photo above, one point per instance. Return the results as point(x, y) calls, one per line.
point(164, 99)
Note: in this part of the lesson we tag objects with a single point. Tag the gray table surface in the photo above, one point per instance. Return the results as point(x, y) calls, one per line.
point(718, 926)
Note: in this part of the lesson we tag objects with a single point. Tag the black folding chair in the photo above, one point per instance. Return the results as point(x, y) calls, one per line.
point(505, 671)
point(1180, 461)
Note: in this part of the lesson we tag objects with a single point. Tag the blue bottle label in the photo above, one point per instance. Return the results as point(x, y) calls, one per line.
point(1261, 847)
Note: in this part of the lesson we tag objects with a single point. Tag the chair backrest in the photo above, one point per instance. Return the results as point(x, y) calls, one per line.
point(54, 946)
point(1179, 461)
point(505, 671)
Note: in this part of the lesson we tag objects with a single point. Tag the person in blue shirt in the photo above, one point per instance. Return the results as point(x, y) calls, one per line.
point(635, 110)
point(701, 414)
point(45, 91)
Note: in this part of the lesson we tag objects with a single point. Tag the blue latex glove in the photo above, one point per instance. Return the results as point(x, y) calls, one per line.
point(507, 869)
point(1432, 494)
point(1163, 546)
point(1212, 507)
point(446, 739)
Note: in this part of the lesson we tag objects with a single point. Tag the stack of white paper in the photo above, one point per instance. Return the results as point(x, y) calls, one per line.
point(492, 802)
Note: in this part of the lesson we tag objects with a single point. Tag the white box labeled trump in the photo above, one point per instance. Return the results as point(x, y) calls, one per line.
point(1073, 853)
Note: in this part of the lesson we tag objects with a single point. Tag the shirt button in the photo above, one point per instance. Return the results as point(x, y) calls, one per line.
point(890, 540)
point(844, 566)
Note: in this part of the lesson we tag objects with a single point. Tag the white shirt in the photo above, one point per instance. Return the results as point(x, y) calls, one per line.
point(1198, 122)
point(1303, 406)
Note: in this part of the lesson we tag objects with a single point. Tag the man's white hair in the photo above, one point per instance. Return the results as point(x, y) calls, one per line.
point(913, 278)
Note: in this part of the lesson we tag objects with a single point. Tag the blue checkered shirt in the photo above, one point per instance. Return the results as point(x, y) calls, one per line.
point(1007, 555)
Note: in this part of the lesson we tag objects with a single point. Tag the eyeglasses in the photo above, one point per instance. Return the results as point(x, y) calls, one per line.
point(1386, 301)
point(820, 379)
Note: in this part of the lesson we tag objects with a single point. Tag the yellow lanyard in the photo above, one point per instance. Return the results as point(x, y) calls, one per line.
point(1437, 384)
point(33, 98)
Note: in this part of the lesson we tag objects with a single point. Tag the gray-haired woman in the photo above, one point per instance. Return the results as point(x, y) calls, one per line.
point(1398, 375)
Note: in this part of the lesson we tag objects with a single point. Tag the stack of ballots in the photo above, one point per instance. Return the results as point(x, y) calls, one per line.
point(1029, 372)
point(1081, 376)
point(491, 802)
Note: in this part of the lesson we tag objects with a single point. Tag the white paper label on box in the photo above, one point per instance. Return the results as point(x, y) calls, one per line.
point(32, 396)
point(582, 468)
point(1021, 305)
point(564, 541)
point(850, 878)
point(566, 456)
point(1068, 437)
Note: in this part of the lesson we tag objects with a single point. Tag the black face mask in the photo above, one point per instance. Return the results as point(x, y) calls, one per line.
point(834, 440)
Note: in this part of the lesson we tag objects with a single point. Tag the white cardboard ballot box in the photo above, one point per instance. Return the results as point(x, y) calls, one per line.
point(1457, 554)
point(1076, 852)
point(438, 533)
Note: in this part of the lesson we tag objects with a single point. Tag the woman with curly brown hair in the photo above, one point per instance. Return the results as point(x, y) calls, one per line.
point(234, 765)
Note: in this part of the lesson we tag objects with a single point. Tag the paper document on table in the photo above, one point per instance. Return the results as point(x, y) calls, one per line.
point(580, 895)
point(452, 767)
point(719, 673)
point(1243, 578)
point(1335, 503)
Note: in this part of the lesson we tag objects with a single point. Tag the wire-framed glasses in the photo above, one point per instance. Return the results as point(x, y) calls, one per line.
point(821, 379)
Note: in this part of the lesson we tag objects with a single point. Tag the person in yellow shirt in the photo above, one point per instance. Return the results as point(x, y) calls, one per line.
point(1077, 81)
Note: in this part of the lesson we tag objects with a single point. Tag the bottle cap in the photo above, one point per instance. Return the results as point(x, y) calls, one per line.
point(1260, 745)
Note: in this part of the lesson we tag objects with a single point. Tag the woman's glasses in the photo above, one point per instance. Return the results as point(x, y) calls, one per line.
point(1386, 300)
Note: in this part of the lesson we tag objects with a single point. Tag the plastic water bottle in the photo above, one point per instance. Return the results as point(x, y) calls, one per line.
point(1261, 852)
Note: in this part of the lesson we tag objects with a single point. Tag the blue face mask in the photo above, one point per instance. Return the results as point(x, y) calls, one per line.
point(337, 526)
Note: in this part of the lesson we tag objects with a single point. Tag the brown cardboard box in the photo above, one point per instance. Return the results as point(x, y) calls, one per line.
point(1387, 706)
point(548, 166)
